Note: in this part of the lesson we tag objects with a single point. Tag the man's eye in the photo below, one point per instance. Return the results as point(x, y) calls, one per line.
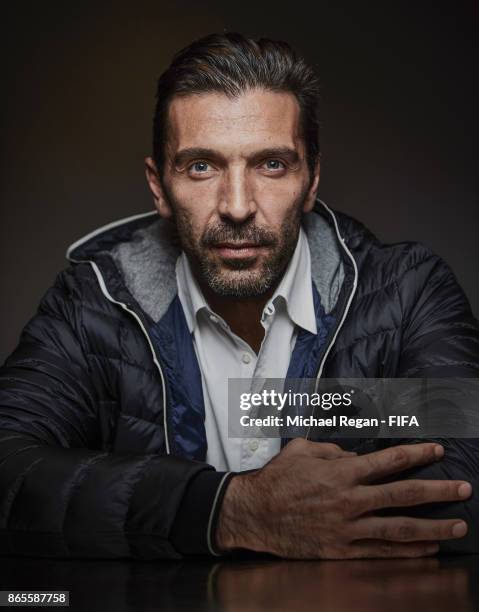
point(199, 166)
point(274, 164)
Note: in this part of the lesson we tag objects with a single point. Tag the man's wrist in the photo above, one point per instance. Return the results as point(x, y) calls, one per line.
point(237, 509)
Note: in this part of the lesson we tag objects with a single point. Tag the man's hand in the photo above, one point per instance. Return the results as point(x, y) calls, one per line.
point(314, 500)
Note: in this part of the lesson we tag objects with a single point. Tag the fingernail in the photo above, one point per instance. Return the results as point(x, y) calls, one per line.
point(464, 490)
point(438, 451)
point(459, 530)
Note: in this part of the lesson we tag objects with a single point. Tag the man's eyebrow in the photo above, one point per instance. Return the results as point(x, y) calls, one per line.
point(287, 153)
point(184, 155)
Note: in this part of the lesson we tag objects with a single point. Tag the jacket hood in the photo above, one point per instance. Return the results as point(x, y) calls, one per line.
point(144, 249)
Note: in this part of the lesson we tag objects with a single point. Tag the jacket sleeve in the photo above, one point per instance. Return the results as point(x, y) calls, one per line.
point(60, 494)
point(441, 339)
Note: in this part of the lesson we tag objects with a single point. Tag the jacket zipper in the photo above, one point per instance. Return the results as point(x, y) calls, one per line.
point(347, 307)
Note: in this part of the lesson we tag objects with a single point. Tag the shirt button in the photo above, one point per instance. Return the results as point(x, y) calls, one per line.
point(213, 319)
point(246, 358)
point(270, 309)
point(253, 445)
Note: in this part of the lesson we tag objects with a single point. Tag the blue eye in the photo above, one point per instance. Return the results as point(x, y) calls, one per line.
point(200, 166)
point(274, 164)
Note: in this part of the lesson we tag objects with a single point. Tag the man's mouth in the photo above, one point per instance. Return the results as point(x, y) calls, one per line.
point(237, 250)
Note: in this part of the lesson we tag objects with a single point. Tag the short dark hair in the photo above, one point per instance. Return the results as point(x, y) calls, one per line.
point(231, 63)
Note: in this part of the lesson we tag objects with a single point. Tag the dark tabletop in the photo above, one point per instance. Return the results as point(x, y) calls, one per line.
point(252, 584)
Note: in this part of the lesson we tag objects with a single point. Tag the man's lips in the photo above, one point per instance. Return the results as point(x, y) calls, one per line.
point(238, 250)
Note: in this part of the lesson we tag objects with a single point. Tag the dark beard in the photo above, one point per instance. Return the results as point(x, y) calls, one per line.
point(235, 281)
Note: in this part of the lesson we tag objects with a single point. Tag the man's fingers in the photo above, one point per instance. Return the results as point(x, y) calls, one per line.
point(372, 466)
point(320, 450)
point(403, 493)
point(407, 529)
point(372, 549)
point(326, 450)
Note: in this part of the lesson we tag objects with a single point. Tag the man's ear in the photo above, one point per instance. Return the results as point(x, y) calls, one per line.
point(153, 179)
point(313, 188)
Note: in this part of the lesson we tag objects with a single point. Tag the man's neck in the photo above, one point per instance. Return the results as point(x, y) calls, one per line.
point(243, 315)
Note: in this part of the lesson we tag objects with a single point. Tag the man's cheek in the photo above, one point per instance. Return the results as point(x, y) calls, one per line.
point(189, 192)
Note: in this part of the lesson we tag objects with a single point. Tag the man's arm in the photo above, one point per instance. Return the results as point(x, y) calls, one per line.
point(440, 340)
point(60, 494)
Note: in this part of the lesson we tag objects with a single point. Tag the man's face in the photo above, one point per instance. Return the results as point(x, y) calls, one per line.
point(236, 182)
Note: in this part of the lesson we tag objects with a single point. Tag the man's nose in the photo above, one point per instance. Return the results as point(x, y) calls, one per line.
point(236, 199)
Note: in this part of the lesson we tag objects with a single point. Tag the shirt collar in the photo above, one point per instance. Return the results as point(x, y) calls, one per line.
point(189, 291)
point(295, 288)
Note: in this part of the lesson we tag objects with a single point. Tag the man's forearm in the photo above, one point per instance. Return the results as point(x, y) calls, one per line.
point(78, 502)
point(237, 509)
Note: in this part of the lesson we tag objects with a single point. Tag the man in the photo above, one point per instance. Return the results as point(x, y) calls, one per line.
point(113, 407)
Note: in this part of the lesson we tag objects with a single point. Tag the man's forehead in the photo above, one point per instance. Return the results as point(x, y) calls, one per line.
point(256, 118)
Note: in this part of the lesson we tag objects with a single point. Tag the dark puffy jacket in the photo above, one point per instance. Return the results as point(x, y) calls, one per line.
point(102, 438)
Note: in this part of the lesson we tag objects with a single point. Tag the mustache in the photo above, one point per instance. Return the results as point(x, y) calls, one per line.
point(259, 236)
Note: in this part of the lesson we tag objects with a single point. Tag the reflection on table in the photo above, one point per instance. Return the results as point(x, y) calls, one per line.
point(253, 584)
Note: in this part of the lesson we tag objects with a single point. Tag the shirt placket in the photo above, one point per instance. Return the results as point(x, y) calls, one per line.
point(254, 451)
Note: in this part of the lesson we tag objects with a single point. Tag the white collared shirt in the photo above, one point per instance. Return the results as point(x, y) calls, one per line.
point(222, 354)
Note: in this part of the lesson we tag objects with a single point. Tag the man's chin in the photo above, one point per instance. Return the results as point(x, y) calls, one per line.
point(239, 283)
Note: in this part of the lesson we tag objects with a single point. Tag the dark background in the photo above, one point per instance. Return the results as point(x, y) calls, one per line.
point(399, 121)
